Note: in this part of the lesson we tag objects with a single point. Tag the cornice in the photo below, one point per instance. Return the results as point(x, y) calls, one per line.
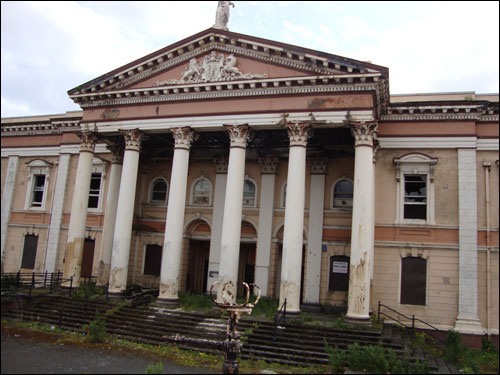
point(58, 127)
point(233, 89)
point(430, 112)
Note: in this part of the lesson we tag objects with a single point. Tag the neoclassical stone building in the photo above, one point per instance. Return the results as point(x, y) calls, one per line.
point(229, 157)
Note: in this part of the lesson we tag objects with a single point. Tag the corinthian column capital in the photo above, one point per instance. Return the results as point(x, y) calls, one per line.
point(183, 136)
point(89, 139)
point(116, 153)
point(133, 139)
point(298, 133)
point(364, 133)
point(238, 134)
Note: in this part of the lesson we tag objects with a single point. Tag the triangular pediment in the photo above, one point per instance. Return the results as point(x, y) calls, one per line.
point(240, 57)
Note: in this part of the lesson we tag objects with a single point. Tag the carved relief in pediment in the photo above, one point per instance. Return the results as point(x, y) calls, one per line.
point(211, 68)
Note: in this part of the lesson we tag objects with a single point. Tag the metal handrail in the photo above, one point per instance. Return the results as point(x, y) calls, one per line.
point(280, 316)
point(413, 320)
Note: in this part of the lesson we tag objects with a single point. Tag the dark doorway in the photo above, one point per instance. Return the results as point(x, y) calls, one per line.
point(196, 280)
point(87, 258)
point(246, 267)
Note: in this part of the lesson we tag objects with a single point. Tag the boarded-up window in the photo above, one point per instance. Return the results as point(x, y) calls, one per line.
point(152, 260)
point(201, 192)
point(29, 251)
point(413, 280)
point(339, 273)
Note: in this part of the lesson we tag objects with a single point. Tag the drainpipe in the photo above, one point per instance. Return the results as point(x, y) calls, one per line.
point(487, 167)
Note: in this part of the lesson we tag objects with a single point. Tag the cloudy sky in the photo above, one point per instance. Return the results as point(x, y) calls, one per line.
point(49, 48)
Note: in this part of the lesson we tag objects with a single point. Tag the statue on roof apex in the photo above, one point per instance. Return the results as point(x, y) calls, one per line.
point(222, 15)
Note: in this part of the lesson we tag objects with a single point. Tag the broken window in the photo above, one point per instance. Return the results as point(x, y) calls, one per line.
point(415, 199)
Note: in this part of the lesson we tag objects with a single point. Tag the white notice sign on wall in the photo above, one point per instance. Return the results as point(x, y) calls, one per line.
point(340, 267)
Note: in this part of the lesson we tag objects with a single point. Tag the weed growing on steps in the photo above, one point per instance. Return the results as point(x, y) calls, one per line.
point(372, 359)
point(97, 329)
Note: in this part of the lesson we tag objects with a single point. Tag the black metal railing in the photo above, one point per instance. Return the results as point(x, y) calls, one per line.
point(25, 283)
point(279, 318)
point(413, 319)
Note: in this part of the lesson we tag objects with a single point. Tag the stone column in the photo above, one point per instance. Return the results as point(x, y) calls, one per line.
point(218, 213)
point(315, 236)
point(233, 207)
point(467, 319)
point(172, 245)
point(268, 176)
point(78, 219)
point(56, 216)
point(110, 208)
point(291, 264)
point(125, 212)
point(8, 194)
point(358, 305)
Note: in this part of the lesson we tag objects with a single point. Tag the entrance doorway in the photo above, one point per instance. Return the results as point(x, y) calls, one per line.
point(87, 258)
point(246, 267)
point(199, 252)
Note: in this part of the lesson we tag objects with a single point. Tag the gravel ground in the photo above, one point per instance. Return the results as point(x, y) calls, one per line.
point(30, 354)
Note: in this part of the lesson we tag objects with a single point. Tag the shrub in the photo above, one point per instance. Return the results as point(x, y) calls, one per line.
point(154, 368)
point(454, 351)
point(97, 329)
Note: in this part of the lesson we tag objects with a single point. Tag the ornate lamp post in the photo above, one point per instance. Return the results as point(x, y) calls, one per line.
point(232, 345)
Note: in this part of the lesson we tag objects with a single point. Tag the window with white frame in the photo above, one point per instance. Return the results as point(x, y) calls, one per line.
point(342, 193)
point(159, 191)
point(97, 176)
point(415, 189)
point(201, 192)
point(95, 190)
point(249, 194)
point(38, 181)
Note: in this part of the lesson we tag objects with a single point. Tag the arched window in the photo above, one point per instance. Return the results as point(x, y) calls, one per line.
point(159, 191)
point(201, 192)
point(342, 194)
point(249, 194)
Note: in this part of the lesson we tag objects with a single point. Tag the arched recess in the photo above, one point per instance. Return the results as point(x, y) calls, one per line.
point(197, 231)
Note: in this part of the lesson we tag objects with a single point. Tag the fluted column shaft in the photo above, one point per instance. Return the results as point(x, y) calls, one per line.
point(110, 209)
point(358, 305)
point(125, 212)
point(294, 217)
point(76, 233)
point(172, 245)
point(233, 208)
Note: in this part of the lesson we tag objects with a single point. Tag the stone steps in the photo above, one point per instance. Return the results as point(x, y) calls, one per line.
point(294, 344)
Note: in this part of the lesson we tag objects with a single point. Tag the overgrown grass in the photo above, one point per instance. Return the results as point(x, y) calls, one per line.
point(97, 329)
point(197, 302)
point(372, 359)
point(471, 361)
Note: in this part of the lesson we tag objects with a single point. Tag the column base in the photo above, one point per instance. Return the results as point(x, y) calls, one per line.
point(310, 307)
point(169, 303)
point(358, 320)
point(470, 326)
point(115, 295)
